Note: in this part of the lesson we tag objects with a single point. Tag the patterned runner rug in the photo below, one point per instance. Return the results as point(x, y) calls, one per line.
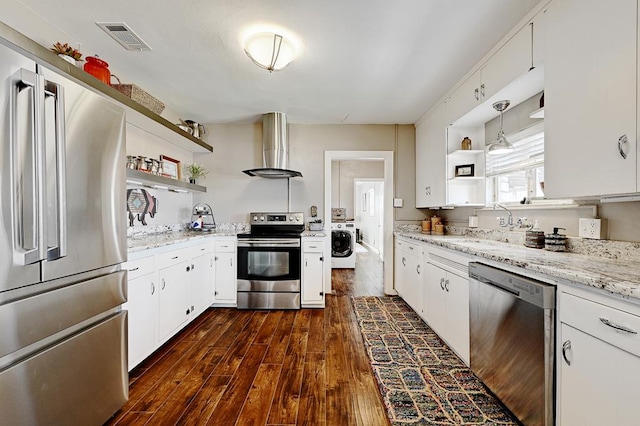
point(422, 381)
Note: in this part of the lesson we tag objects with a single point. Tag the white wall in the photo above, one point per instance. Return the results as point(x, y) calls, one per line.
point(237, 147)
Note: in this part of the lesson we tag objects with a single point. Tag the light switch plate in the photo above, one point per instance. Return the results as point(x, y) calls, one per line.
point(592, 228)
point(397, 202)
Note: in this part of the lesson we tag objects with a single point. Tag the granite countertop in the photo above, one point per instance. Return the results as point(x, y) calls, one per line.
point(149, 241)
point(616, 276)
point(313, 234)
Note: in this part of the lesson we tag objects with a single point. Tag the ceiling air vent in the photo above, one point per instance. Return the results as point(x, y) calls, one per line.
point(124, 35)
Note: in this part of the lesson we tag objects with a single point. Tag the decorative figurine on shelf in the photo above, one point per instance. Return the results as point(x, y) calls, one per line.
point(195, 171)
point(67, 52)
point(466, 143)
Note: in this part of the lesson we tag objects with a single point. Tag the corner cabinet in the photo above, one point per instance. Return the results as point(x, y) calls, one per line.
point(598, 360)
point(408, 273)
point(142, 307)
point(590, 98)
point(312, 277)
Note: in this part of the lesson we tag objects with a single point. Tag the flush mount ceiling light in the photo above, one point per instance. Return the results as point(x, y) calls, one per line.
point(270, 51)
point(501, 145)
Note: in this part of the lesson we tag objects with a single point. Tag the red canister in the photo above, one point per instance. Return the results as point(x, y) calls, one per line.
point(98, 68)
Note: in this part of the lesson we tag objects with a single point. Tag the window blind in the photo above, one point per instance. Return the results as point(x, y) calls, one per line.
point(528, 152)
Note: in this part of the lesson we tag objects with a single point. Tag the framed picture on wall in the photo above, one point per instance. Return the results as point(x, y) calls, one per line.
point(465, 170)
point(170, 167)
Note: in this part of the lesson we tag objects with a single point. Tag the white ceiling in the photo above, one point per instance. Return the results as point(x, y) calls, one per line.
point(361, 61)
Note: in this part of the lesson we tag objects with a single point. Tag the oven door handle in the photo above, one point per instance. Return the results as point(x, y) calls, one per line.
point(274, 244)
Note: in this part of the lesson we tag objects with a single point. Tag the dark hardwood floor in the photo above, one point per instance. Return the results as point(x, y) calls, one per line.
point(306, 367)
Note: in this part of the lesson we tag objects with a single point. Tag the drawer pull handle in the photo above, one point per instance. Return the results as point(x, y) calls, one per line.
point(446, 285)
point(404, 262)
point(153, 288)
point(442, 283)
point(617, 326)
point(566, 346)
point(418, 269)
point(134, 269)
point(174, 257)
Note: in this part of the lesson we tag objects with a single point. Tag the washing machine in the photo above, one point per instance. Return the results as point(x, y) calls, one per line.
point(343, 245)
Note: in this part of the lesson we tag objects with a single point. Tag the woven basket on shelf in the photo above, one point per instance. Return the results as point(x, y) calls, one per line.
point(140, 96)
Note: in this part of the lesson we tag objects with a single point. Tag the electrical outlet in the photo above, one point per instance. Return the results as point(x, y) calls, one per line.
point(398, 202)
point(592, 228)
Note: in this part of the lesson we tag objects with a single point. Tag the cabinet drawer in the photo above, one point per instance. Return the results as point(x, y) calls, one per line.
point(592, 318)
point(201, 249)
point(140, 267)
point(225, 246)
point(409, 248)
point(312, 246)
point(173, 257)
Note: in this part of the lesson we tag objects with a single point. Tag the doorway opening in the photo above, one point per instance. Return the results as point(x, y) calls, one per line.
point(378, 200)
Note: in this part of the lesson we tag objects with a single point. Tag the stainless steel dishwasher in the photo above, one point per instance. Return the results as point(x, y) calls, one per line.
point(512, 330)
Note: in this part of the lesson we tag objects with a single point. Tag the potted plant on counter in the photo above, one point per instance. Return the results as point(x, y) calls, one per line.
point(195, 171)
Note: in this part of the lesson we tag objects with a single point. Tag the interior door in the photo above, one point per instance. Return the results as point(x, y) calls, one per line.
point(17, 234)
point(94, 209)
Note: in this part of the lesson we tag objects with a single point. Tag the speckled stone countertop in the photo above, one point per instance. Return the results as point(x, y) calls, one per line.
point(313, 234)
point(150, 241)
point(620, 276)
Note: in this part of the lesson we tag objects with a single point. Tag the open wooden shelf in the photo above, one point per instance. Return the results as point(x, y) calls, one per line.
point(136, 177)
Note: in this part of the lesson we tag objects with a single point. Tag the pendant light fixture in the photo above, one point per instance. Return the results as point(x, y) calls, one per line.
point(270, 51)
point(501, 145)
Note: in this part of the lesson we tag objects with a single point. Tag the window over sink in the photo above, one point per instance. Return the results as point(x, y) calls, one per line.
point(518, 175)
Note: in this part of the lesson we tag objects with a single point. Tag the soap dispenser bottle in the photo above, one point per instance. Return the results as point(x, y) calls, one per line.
point(534, 237)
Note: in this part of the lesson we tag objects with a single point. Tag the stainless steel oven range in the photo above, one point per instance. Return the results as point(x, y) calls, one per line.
point(269, 262)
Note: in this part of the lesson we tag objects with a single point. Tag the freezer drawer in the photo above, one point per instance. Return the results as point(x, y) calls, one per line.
point(38, 317)
point(80, 380)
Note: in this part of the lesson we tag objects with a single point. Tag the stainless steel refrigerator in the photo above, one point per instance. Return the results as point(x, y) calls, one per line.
point(63, 348)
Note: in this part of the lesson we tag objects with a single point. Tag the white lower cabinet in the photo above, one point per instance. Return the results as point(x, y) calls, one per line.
point(312, 276)
point(175, 292)
point(142, 307)
point(446, 298)
point(202, 277)
point(598, 362)
point(225, 273)
point(408, 273)
point(169, 287)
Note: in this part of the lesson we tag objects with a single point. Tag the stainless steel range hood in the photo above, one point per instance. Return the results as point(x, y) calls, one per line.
point(275, 149)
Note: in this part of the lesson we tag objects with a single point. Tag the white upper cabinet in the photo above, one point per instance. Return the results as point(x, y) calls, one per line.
point(430, 159)
point(510, 62)
point(590, 98)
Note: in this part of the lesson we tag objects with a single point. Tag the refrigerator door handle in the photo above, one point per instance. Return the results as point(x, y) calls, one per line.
point(37, 250)
point(57, 92)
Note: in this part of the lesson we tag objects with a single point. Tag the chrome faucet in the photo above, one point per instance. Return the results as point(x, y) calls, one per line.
point(510, 219)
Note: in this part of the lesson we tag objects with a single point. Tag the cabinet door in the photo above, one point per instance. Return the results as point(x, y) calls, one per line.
point(590, 97)
point(430, 159)
point(464, 99)
point(225, 282)
point(414, 283)
point(202, 277)
point(435, 298)
point(312, 278)
point(457, 307)
point(509, 63)
point(141, 306)
point(400, 272)
point(175, 298)
point(600, 385)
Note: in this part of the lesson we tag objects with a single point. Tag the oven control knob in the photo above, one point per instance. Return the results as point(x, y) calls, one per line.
point(255, 218)
point(262, 218)
point(290, 218)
